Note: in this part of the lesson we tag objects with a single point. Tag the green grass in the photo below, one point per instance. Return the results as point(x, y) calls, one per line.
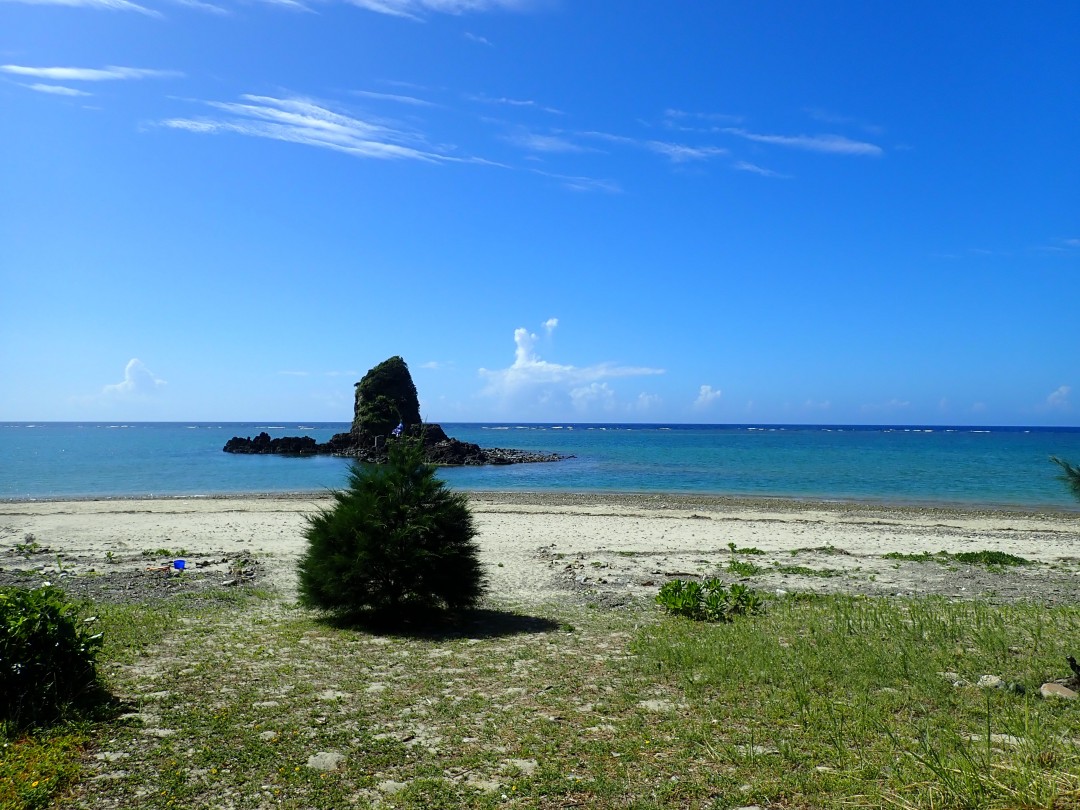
point(805, 571)
point(924, 556)
point(165, 552)
point(841, 698)
point(743, 568)
point(744, 550)
point(991, 559)
point(823, 701)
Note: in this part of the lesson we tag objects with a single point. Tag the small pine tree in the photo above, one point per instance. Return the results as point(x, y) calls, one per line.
point(1070, 475)
point(396, 541)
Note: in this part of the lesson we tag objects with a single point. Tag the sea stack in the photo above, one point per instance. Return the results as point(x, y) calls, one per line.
point(386, 405)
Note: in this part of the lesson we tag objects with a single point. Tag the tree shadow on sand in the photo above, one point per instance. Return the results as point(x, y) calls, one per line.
point(478, 623)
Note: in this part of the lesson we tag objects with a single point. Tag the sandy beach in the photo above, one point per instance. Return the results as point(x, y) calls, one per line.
point(605, 550)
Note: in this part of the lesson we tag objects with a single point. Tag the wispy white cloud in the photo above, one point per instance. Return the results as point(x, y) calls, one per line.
point(303, 121)
point(697, 121)
point(534, 142)
point(1061, 246)
point(400, 99)
point(707, 395)
point(99, 5)
point(753, 168)
point(681, 153)
point(138, 381)
point(74, 74)
point(1059, 398)
point(289, 5)
point(832, 144)
point(583, 183)
point(56, 89)
point(675, 152)
point(479, 39)
point(416, 9)
point(827, 117)
point(514, 102)
point(531, 374)
point(550, 324)
point(198, 5)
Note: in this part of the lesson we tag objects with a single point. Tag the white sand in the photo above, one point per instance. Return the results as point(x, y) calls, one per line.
point(541, 547)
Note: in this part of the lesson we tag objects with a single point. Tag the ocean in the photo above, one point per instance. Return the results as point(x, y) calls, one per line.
point(924, 465)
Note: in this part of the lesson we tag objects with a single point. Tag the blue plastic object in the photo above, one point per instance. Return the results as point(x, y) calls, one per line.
point(179, 565)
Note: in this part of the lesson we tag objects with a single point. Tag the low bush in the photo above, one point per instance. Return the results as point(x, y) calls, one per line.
point(47, 657)
point(708, 601)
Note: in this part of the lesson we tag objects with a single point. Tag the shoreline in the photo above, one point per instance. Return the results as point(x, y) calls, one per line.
point(569, 548)
point(684, 499)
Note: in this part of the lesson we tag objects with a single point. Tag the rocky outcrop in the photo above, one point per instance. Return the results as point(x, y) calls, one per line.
point(385, 398)
point(386, 406)
point(286, 446)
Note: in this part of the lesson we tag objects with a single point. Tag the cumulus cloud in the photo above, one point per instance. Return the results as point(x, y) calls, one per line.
point(138, 381)
point(550, 324)
point(645, 402)
point(593, 396)
point(707, 395)
point(531, 375)
point(1059, 399)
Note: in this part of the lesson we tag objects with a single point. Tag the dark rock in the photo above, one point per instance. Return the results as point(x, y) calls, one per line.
point(287, 445)
point(386, 405)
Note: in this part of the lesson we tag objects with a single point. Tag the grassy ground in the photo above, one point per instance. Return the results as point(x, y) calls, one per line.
point(242, 700)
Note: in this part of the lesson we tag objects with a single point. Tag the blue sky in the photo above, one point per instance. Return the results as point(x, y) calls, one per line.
point(832, 212)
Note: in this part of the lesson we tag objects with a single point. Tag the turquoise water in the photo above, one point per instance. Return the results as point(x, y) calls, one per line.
point(938, 465)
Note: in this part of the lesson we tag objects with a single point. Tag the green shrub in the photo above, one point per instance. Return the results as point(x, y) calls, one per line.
point(708, 601)
point(397, 542)
point(46, 657)
point(989, 558)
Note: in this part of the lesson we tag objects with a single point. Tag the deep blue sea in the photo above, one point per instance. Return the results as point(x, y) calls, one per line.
point(902, 465)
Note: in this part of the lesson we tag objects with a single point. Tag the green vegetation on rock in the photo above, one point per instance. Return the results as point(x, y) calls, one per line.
point(385, 398)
